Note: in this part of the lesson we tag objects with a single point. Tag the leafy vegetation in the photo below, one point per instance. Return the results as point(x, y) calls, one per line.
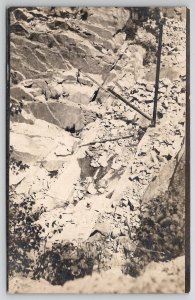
point(161, 234)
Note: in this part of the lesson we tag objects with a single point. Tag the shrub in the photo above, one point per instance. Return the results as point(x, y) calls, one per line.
point(161, 235)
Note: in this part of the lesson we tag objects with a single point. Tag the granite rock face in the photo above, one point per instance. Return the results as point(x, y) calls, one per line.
point(89, 165)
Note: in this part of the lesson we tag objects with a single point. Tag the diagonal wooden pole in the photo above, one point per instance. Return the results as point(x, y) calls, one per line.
point(129, 104)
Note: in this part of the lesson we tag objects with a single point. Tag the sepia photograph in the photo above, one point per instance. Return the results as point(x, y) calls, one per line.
point(98, 150)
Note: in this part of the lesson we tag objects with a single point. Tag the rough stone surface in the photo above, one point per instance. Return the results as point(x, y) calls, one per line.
point(87, 161)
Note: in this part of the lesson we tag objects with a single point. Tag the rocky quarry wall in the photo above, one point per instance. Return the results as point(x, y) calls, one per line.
point(93, 187)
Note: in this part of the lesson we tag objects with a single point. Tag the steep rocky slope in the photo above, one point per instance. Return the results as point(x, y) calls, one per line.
point(86, 170)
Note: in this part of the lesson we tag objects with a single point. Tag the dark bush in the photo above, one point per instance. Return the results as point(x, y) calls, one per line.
point(161, 235)
point(64, 262)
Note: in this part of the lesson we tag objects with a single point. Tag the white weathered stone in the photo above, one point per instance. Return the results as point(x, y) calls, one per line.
point(91, 189)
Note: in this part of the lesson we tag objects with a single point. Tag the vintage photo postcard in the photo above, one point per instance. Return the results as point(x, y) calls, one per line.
point(98, 150)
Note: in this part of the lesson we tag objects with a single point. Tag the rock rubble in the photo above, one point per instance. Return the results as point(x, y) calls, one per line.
point(89, 159)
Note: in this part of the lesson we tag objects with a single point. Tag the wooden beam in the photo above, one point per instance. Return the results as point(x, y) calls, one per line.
point(129, 104)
